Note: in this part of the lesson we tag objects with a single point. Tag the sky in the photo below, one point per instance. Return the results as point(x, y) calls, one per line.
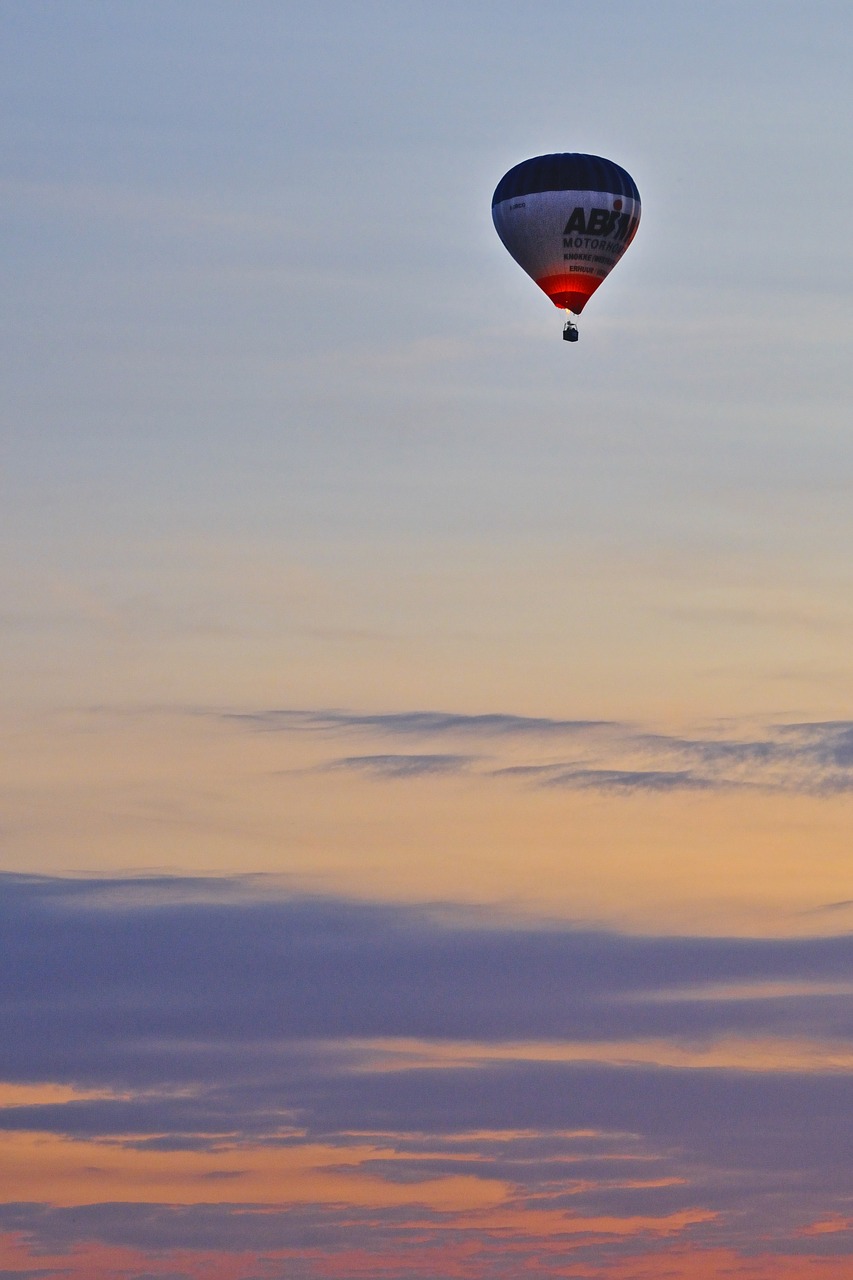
point(427, 783)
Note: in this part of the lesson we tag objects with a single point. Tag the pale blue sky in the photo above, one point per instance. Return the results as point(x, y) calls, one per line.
point(253, 298)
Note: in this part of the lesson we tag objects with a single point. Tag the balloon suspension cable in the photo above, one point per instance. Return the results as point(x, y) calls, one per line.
point(570, 328)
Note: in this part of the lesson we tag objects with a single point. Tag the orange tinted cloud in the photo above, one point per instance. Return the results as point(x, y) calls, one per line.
point(60, 1171)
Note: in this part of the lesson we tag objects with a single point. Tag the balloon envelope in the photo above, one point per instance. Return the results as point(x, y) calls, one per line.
point(567, 219)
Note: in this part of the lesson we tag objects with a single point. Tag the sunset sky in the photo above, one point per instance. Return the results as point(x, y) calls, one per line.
point(428, 746)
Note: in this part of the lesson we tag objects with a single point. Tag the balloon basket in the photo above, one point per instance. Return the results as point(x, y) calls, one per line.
point(570, 329)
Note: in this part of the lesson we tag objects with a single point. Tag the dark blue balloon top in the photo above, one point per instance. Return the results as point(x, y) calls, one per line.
point(569, 171)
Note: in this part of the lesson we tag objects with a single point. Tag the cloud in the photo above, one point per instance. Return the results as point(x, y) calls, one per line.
point(146, 990)
point(416, 723)
point(403, 766)
point(34, 1273)
point(608, 756)
point(223, 1018)
point(89, 964)
point(830, 908)
point(830, 741)
point(222, 1227)
point(629, 780)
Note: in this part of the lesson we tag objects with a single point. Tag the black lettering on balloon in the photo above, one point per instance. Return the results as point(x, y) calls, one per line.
point(576, 222)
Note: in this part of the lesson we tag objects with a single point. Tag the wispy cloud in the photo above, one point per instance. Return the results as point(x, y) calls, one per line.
point(607, 755)
point(416, 723)
point(629, 780)
point(831, 908)
point(403, 766)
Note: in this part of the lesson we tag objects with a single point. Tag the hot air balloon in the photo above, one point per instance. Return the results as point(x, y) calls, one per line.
point(567, 219)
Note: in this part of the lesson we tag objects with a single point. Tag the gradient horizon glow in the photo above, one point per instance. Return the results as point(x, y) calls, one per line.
point(428, 771)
